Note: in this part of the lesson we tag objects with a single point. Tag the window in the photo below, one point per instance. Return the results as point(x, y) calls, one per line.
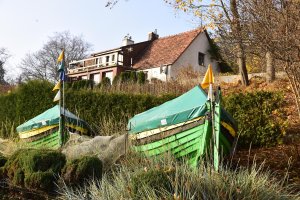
point(201, 58)
point(107, 59)
point(113, 58)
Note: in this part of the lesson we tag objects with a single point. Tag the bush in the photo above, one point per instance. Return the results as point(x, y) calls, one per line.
point(36, 169)
point(259, 117)
point(124, 77)
point(81, 84)
point(105, 82)
point(133, 77)
point(79, 170)
point(141, 77)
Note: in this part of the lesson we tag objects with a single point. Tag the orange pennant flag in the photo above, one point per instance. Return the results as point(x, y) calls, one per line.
point(208, 78)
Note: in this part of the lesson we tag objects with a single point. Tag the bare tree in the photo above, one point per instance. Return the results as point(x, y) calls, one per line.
point(227, 20)
point(42, 64)
point(275, 24)
point(4, 55)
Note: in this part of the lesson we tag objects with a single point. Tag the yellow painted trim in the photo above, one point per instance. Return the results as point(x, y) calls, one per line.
point(159, 130)
point(28, 134)
point(229, 128)
point(79, 128)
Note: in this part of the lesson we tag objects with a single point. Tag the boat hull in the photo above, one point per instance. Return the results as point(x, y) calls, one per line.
point(189, 141)
point(50, 139)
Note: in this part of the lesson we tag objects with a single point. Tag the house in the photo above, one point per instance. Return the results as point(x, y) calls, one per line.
point(160, 58)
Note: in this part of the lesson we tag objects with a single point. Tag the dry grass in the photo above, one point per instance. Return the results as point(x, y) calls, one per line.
point(188, 183)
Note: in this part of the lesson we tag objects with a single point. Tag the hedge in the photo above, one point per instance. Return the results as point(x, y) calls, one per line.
point(34, 97)
point(259, 114)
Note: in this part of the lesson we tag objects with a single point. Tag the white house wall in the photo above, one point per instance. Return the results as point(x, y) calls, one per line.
point(155, 73)
point(190, 57)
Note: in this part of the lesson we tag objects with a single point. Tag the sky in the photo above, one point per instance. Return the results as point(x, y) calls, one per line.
point(27, 25)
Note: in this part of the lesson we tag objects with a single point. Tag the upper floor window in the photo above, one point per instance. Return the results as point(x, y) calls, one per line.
point(113, 58)
point(201, 58)
point(107, 59)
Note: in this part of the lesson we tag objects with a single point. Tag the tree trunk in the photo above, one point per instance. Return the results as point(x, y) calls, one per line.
point(270, 69)
point(293, 73)
point(241, 60)
point(237, 30)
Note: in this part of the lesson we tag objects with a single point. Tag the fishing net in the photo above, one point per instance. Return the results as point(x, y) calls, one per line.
point(107, 148)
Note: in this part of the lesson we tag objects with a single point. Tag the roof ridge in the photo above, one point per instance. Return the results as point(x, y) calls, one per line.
point(200, 29)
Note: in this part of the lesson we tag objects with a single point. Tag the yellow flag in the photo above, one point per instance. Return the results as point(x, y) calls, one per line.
point(57, 86)
point(61, 56)
point(57, 96)
point(208, 78)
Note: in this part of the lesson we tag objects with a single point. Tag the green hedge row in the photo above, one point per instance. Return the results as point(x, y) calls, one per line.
point(34, 97)
point(258, 114)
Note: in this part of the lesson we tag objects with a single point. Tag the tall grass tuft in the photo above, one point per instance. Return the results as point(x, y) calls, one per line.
point(186, 182)
point(8, 129)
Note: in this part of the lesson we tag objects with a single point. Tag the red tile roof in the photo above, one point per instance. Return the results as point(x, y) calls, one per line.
point(166, 50)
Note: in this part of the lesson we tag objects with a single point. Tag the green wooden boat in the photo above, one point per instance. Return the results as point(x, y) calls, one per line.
point(186, 127)
point(51, 128)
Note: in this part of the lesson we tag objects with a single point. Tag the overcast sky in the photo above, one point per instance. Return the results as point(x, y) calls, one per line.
point(26, 24)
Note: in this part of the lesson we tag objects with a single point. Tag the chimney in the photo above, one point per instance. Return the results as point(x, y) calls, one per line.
point(153, 35)
point(127, 40)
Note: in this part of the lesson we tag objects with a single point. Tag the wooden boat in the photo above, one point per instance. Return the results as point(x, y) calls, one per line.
point(188, 126)
point(51, 128)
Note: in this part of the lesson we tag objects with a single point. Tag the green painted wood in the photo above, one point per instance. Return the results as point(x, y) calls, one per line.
point(50, 141)
point(204, 143)
point(217, 131)
point(166, 141)
point(173, 141)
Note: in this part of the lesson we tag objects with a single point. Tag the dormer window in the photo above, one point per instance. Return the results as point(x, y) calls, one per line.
point(201, 58)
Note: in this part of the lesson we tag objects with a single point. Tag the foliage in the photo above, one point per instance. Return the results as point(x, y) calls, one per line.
point(27, 100)
point(80, 170)
point(133, 77)
point(124, 77)
point(172, 180)
point(34, 169)
point(95, 106)
point(34, 97)
point(105, 82)
point(141, 77)
point(81, 84)
point(259, 117)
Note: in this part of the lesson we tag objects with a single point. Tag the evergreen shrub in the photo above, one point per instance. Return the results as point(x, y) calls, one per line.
point(259, 116)
point(141, 77)
point(105, 82)
point(81, 84)
point(124, 77)
point(133, 77)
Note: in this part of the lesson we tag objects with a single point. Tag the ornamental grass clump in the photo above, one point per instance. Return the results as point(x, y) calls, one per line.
point(142, 178)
